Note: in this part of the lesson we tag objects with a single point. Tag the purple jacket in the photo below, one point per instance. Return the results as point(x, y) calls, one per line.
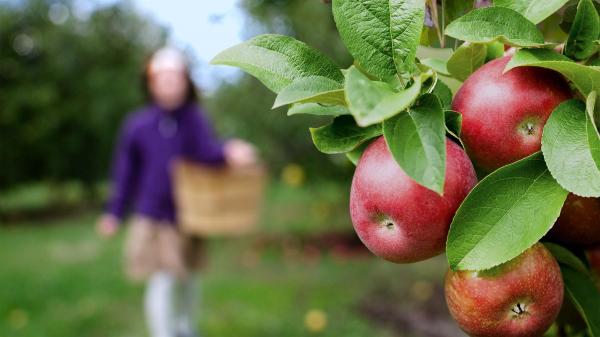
point(149, 142)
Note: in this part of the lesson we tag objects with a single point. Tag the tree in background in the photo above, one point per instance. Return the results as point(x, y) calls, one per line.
point(243, 108)
point(66, 82)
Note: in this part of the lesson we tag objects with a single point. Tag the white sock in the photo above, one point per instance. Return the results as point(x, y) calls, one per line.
point(188, 305)
point(159, 304)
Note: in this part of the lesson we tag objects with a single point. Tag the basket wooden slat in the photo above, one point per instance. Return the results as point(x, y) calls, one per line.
point(221, 201)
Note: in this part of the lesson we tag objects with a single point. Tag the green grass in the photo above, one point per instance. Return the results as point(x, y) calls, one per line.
point(40, 196)
point(59, 279)
point(314, 208)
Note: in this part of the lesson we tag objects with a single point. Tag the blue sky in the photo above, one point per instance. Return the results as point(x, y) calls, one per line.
point(204, 26)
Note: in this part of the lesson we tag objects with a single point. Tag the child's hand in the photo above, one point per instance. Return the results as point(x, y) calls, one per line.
point(107, 226)
point(239, 153)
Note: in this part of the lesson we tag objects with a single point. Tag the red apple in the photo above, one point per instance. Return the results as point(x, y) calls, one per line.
point(395, 217)
point(520, 298)
point(504, 114)
point(579, 222)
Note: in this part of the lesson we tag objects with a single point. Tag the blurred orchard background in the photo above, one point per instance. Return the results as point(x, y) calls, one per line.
point(69, 73)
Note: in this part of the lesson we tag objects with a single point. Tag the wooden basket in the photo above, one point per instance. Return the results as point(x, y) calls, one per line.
point(220, 201)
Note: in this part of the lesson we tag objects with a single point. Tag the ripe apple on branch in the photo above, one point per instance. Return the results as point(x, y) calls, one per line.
point(525, 122)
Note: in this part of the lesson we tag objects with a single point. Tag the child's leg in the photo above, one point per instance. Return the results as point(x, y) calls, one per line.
point(189, 298)
point(159, 304)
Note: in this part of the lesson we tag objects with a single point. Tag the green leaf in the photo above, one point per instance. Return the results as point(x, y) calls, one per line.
point(534, 10)
point(417, 141)
point(506, 213)
point(595, 62)
point(593, 132)
point(466, 59)
point(315, 89)
point(594, 141)
point(584, 31)
point(342, 135)
point(354, 155)
point(318, 110)
point(453, 122)
point(590, 104)
point(586, 297)
point(443, 93)
point(567, 150)
point(593, 113)
point(382, 35)
point(494, 50)
point(566, 257)
point(371, 102)
point(456, 8)
point(436, 64)
point(429, 85)
point(490, 24)
point(278, 60)
point(454, 125)
point(568, 16)
point(585, 78)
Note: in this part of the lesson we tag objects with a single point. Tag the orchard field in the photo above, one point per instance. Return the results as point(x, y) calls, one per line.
point(57, 278)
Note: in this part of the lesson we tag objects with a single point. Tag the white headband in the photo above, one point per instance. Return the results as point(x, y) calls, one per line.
point(168, 59)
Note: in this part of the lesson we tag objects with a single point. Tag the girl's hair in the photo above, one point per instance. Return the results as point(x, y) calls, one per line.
point(193, 90)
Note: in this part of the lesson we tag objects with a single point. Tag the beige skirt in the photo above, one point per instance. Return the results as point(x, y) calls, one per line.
point(152, 246)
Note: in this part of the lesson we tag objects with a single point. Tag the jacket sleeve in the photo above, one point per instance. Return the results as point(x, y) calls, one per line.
point(125, 171)
point(201, 143)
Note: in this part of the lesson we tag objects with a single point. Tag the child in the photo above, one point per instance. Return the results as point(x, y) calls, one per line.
point(172, 126)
